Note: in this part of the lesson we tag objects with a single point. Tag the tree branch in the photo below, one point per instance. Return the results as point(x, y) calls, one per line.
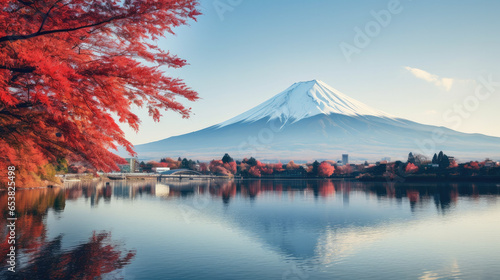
point(26, 3)
point(27, 69)
point(24, 37)
point(46, 15)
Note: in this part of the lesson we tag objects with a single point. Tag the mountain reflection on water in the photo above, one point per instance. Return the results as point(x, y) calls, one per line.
point(310, 224)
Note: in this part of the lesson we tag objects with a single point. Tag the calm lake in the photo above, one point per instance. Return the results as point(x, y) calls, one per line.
point(256, 229)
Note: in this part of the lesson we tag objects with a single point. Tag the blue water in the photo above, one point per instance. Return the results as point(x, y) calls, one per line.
point(289, 229)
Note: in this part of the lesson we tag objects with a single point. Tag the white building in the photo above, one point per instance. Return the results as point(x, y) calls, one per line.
point(160, 169)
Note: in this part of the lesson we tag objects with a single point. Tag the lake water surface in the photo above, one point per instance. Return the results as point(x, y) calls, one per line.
point(256, 229)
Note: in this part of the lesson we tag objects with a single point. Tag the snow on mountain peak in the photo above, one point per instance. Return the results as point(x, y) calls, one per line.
point(303, 100)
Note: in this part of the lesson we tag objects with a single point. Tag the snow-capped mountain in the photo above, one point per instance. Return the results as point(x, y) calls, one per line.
point(311, 120)
point(306, 99)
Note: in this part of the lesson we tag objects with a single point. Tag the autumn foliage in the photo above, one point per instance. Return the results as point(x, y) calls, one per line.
point(256, 168)
point(169, 162)
point(254, 171)
point(474, 165)
point(325, 169)
point(219, 167)
point(344, 169)
point(71, 70)
point(292, 166)
point(411, 168)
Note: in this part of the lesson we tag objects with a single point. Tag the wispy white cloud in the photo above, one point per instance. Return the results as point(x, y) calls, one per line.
point(445, 83)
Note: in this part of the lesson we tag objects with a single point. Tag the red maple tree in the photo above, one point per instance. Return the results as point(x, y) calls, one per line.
point(325, 169)
point(411, 168)
point(219, 167)
point(68, 66)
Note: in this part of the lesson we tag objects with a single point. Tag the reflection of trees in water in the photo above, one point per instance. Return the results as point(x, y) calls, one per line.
point(89, 260)
point(254, 188)
point(445, 197)
point(418, 195)
point(44, 259)
point(228, 190)
point(413, 198)
point(31, 208)
point(97, 190)
point(326, 188)
point(251, 189)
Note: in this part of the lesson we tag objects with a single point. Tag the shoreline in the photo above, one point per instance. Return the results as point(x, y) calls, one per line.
point(372, 179)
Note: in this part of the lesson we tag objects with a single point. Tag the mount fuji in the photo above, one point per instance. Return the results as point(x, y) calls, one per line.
point(311, 120)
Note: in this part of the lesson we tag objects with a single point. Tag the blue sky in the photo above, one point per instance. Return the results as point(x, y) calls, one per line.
point(430, 62)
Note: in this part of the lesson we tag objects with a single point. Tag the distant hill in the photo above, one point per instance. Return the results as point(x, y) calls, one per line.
point(311, 120)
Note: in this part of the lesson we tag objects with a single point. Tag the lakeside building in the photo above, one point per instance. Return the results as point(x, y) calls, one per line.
point(489, 163)
point(132, 166)
point(345, 159)
point(160, 169)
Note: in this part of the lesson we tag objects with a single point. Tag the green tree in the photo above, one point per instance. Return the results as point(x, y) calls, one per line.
point(191, 164)
point(251, 161)
point(227, 159)
point(411, 158)
point(445, 162)
point(315, 169)
point(435, 159)
point(440, 156)
point(185, 163)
